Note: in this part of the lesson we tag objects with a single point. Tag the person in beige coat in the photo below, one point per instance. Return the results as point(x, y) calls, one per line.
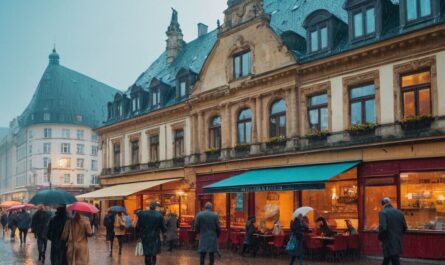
point(119, 229)
point(76, 233)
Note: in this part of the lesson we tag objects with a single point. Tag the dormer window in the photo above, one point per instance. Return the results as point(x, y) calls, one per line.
point(417, 9)
point(185, 79)
point(364, 22)
point(135, 104)
point(155, 97)
point(242, 64)
point(119, 109)
point(319, 39)
point(182, 89)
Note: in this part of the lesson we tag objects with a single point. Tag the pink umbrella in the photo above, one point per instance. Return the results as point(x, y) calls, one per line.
point(82, 207)
point(21, 206)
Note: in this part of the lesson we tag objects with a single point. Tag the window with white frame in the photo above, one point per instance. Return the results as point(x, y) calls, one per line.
point(65, 148)
point(94, 150)
point(80, 134)
point(80, 179)
point(80, 163)
point(46, 148)
point(46, 161)
point(65, 133)
point(94, 165)
point(94, 137)
point(47, 132)
point(80, 149)
point(94, 180)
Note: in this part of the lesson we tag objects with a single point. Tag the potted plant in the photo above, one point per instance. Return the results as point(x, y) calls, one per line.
point(242, 147)
point(416, 122)
point(213, 153)
point(315, 134)
point(362, 129)
point(277, 141)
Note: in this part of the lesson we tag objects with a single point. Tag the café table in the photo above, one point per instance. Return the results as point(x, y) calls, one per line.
point(264, 239)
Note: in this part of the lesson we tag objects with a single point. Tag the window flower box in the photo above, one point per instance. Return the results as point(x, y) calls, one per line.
point(277, 142)
point(417, 122)
point(317, 135)
point(362, 129)
point(212, 154)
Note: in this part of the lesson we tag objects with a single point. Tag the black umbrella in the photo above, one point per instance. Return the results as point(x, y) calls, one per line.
point(53, 197)
point(117, 209)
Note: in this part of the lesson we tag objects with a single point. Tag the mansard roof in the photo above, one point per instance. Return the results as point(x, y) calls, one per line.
point(67, 97)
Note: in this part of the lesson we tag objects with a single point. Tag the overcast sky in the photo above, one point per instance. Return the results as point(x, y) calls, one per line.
point(112, 41)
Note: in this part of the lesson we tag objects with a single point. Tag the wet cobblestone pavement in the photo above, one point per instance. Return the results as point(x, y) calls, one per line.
point(11, 253)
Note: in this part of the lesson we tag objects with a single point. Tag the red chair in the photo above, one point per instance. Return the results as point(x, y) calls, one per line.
point(277, 243)
point(235, 241)
point(223, 238)
point(337, 250)
point(313, 246)
point(183, 239)
point(354, 245)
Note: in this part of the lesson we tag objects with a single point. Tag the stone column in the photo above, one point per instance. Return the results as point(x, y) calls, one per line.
point(293, 116)
point(201, 134)
point(259, 118)
point(254, 122)
point(226, 128)
point(289, 115)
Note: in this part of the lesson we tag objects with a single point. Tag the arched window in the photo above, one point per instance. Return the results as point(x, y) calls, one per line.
point(215, 132)
point(245, 126)
point(277, 124)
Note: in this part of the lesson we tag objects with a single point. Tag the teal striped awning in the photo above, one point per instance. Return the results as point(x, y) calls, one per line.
point(305, 177)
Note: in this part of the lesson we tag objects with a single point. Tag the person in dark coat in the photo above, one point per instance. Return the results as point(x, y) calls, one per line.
point(4, 222)
point(298, 228)
point(149, 227)
point(55, 230)
point(109, 227)
point(323, 227)
point(39, 226)
point(23, 223)
point(207, 225)
point(12, 224)
point(172, 225)
point(250, 241)
point(392, 225)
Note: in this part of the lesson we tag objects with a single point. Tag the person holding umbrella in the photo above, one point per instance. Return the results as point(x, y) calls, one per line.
point(76, 233)
point(39, 226)
point(295, 246)
point(4, 222)
point(23, 223)
point(12, 224)
point(55, 230)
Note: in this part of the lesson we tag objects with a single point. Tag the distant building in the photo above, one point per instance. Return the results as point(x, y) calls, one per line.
point(55, 128)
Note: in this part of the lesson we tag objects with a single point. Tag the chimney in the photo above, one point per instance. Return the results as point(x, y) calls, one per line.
point(174, 38)
point(202, 29)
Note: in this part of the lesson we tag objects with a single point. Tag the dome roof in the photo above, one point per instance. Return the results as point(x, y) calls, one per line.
point(65, 96)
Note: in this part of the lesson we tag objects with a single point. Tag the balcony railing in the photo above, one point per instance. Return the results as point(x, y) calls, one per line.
point(380, 134)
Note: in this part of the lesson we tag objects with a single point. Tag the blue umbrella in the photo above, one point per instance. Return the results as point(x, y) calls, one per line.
point(53, 197)
point(117, 209)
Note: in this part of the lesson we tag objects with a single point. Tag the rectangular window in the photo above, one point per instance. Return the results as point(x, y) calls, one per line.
point(362, 104)
point(135, 152)
point(242, 64)
point(65, 163)
point(80, 134)
point(314, 41)
point(425, 8)
point(154, 148)
point(46, 116)
point(94, 165)
point(411, 9)
point(416, 9)
point(416, 94)
point(135, 104)
point(94, 137)
point(116, 155)
point(422, 198)
point(80, 149)
point(370, 20)
point(94, 150)
point(373, 197)
point(47, 148)
point(80, 179)
point(182, 89)
point(66, 178)
point(80, 163)
point(324, 37)
point(46, 162)
point(119, 109)
point(179, 143)
point(94, 180)
point(318, 112)
point(155, 97)
point(65, 133)
point(358, 24)
point(47, 132)
point(65, 148)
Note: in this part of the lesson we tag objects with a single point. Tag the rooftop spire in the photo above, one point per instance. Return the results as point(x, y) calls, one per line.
point(174, 38)
point(54, 56)
point(174, 24)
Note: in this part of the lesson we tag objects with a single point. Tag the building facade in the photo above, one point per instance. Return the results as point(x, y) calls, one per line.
point(53, 141)
point(330, 104)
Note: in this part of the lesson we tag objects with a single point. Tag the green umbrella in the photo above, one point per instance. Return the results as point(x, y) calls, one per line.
point(53, 197)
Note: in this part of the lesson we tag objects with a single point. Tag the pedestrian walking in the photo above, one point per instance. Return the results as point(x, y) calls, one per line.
point(250, 242)
point(23, 223)
point(392, 225)
point(119, 230)
point(4, 222)
point(12, 224)
point(298, 228)
point(95, 223)
point(149, 227)
point(39, 226)
point(172, 225)
point(76, 233)
point(207, 225)
point(55, 230)
point(109, 226)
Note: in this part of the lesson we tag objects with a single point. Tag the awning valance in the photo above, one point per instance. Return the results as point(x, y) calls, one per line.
point(123, 190)
point(306, 177)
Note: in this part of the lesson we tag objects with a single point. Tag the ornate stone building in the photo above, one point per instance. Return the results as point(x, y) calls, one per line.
point(332, 104)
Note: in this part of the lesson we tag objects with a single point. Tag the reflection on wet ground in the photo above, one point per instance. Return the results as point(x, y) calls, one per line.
point(14, 254)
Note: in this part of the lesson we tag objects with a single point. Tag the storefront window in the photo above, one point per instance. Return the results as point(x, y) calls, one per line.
point(220, 208)
point(337, 202)
point(373, 198)
point(422, 198)
point(274, 206)
point(238, 209)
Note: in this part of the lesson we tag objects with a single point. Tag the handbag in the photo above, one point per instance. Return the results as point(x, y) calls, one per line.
point(139, 251)
point(292, 243)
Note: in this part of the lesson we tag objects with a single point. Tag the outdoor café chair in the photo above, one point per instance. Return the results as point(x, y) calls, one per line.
point(313, 246)
point(337, 250)
point(277, 244)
